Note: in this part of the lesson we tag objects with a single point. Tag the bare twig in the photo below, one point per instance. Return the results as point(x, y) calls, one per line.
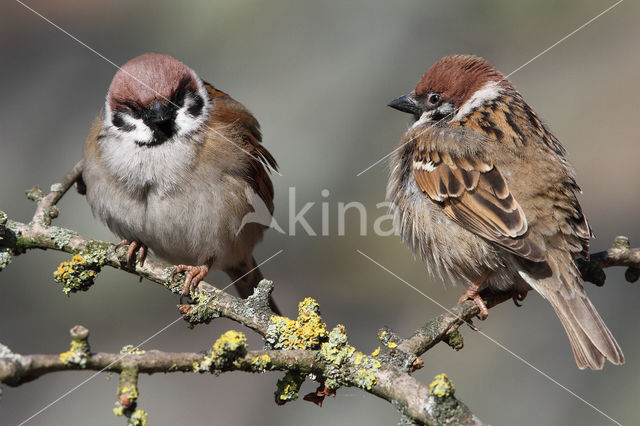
point(46, 210)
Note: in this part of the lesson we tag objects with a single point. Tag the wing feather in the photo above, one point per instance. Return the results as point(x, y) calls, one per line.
point(474, 194)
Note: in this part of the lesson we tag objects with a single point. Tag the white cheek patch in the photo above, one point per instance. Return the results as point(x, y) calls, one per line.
point(490, 91)
point(187, 123)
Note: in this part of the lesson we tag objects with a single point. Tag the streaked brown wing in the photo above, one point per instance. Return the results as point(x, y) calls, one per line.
point(474, 194)
point(247, 134)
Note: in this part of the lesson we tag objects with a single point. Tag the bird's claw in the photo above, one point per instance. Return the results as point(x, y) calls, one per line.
point(519, 297)
point(195, 274)
point(135, 248)
point(484, 311)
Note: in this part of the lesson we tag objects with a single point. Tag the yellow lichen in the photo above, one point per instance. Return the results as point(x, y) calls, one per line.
point(392, 345)
point(358, 358)
point(77, 353)
point(365, 376)
point(126, 404)
point(442, 386)
point(79, 273)
point(129, 392)
point(130, 349)
point(288, 388)
point(376, 352)
point(337, 350)
point(230, 342)
point(225, 352)
point(308, 331)
point(138, 418)
point(260, 363)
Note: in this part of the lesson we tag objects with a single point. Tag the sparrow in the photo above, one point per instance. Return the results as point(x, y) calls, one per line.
point(482, 192)
point(167, 166)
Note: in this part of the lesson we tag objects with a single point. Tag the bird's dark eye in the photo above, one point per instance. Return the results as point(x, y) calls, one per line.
point(434, 99)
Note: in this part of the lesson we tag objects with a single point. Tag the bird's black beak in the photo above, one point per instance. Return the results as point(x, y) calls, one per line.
point(406, 103)
point(160, 117)
point(159, 112)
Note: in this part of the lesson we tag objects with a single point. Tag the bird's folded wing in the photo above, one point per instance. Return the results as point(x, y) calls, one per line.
point(474, 194)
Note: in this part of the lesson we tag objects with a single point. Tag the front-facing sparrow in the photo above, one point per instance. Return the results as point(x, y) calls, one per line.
point(482, 191)
point(168, 165)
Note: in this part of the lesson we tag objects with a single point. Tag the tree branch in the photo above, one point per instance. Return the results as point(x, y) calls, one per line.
point(302, 347)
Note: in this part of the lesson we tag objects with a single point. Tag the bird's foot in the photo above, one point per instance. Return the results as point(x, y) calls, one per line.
point(135, 248)
point(473, 293)
point(195, 274)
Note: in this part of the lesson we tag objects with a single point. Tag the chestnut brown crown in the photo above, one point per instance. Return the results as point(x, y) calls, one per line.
point(457, 77)
point(148, 77)
point(448, 85)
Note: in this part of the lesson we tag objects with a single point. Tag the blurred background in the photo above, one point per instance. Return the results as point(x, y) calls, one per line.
point(318, 76)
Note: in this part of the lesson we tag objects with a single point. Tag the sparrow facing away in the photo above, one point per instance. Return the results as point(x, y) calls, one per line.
point(481, 190)
point(167, 166)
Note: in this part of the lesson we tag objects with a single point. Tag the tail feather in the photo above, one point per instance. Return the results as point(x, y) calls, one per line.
point(246, 277)
point(587, 355)
point(591, 341)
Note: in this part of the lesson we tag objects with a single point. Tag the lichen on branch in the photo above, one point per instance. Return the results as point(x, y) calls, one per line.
point(303, 348)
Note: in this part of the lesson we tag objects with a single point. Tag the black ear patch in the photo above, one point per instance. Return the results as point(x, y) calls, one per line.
point(196, 108)
point(118, 121)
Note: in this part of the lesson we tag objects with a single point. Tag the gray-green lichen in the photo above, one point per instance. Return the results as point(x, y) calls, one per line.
point(288, 388)
point(3, 217)
point(35, 194)
point(365, 373)
point(138, 418)
point(80, 272)
point(336, 352)
point(202, 312)
point(6, 257)
point(406, 421)
point(432, 328)
point(455, 340)
point(56, 187)
point(51, 213)
point(621, 242)
point(445, 406)
point(61, 236)
point(225, 353)
point(6, 353)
